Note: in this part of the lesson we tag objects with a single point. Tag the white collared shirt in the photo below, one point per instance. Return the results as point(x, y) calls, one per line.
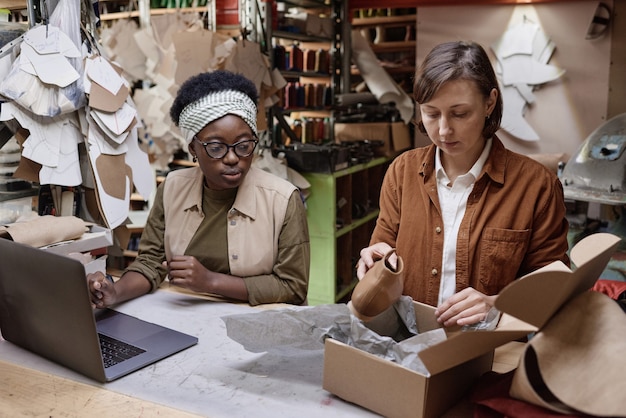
point(453, 201)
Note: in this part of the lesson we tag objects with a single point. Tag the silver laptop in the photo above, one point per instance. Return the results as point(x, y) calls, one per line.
point(45, 308)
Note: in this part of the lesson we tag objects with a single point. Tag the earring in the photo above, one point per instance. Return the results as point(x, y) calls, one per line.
point(195, 159)
point(487, 116)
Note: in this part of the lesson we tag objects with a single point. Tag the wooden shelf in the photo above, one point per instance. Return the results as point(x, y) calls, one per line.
point(153, 12)
point(14, 4)
point(387, 21)
point(289, 74)
point(299, 36)
point(398, 46)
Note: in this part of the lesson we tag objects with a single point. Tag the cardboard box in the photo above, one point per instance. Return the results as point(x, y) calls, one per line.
point(454, 364)
point(395, 135)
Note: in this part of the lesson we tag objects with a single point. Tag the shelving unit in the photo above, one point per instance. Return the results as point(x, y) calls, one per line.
point(397, 55)
point(325, 81)
point(341, 212)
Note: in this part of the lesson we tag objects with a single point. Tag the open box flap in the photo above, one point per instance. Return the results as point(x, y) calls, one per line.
point(537, 296)
point(590, 256)
point(464, 346)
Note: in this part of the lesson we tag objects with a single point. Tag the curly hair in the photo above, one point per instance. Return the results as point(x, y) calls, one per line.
point(200, 85)
point(453, 61)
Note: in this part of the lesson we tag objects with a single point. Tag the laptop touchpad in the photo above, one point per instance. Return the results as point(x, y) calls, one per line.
point(124, 327)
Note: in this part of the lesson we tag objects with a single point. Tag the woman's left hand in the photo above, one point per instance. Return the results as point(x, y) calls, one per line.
point(187, 272)
point(464, 308)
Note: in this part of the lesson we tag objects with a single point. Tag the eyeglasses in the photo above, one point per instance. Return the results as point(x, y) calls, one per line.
point(218, 150)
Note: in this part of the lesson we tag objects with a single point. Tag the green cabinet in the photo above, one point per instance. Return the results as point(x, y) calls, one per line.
point(342, 209)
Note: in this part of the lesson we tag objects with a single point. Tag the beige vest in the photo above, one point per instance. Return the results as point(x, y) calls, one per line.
point(254, 221)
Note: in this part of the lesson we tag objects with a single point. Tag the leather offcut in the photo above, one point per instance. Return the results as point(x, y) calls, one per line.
point(380, 288)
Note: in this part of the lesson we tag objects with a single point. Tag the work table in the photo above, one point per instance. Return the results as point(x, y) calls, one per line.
point(215, 378)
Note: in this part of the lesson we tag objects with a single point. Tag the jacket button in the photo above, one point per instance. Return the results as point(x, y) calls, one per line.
point(434, 272)
point(235, 257)
point(438, 230)
point(233, 222)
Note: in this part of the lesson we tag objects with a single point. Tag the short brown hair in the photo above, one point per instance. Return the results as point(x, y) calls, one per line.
point(451, 61)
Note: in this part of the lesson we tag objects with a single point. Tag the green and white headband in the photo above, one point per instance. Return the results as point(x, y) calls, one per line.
point(195, 116)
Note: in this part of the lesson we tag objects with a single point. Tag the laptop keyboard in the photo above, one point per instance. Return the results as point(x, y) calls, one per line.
point(115, 351)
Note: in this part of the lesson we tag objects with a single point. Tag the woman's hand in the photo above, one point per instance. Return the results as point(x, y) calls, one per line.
point(187, 272)
point(464, 308)
point(102, 290)
point(369, 255)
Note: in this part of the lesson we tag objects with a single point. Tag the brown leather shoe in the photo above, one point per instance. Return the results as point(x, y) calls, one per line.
point(380, 288)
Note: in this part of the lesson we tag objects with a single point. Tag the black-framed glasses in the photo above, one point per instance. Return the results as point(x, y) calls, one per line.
point(218, 150)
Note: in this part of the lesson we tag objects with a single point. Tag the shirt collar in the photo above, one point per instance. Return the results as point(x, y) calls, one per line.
point(474, 171)
point(245, 201)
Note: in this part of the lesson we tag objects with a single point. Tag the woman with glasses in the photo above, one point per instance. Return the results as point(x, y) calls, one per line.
point(223, 227)
point(466, 215)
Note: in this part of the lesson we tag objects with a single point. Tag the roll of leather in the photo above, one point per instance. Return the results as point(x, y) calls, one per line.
point(322, 64)
point(319, 95)
point(309, 59)
point(296, 58)
point(309, 95)
point(300, 99)
point(327, 99)
point(290, 96)
point(279, 57)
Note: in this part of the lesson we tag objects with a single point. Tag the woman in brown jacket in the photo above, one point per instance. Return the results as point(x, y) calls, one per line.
point(466, 215)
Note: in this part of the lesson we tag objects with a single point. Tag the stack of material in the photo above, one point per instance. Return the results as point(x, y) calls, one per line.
point(10, 155)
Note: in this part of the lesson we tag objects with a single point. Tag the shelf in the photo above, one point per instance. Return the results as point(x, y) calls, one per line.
point(387, 21)
point(130, 254)
point(153, 12)
point(307, 3)
point(359, 167)
point(400, 69)
point(357, 223)
point(397, 46)
point(299, 36)
point(14, 4)
point(6, 196)
point(312, 112)
point(297, 74)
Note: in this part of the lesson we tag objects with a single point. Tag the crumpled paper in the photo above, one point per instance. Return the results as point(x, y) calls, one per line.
point(393, 335)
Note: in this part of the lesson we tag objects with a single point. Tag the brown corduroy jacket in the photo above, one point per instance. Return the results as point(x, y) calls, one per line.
point(514, 223)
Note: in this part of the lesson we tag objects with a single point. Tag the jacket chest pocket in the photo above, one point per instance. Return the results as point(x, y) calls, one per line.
point(501, 254)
